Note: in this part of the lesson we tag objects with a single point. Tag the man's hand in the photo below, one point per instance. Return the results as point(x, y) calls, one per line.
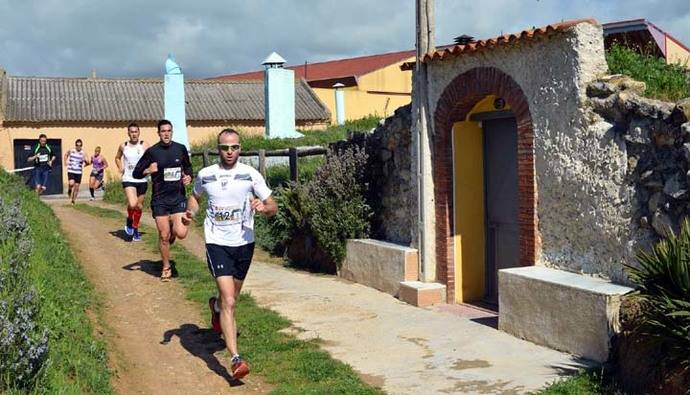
point(153, 168)
point(186, 179)
point(187, 218)
point(258, 205)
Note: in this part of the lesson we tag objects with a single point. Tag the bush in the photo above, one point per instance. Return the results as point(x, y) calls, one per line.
point(315, 219)
point(663, 278)
point(664, 81)
point(23, 341)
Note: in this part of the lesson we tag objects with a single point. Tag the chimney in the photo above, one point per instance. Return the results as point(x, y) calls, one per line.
point(4, 87)
point(174, 100)
point(339, 103)
point(279, 99)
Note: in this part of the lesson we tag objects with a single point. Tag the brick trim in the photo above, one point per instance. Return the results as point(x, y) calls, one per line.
point(457, 100)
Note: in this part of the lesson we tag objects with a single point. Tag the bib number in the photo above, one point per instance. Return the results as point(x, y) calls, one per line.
point(130, 167)
point(42, 158)
point(172, 174)
point(231, 215)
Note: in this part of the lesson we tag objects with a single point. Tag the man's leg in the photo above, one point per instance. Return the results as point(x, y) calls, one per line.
point(163, 225)
point(229, 291)
point(131, 195)
point(75, 191)
point(70, 185)
point(179, 230)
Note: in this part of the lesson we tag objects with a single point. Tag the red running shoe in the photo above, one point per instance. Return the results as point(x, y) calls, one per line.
point(239, 369)
point(215, 316)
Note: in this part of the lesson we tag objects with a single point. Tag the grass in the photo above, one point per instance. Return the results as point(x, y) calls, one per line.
point(77, 361)
point(294, 366)
point(583, 383)
point(667, 82)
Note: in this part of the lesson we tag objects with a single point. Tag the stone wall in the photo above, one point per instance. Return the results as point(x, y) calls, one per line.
point(656, 140)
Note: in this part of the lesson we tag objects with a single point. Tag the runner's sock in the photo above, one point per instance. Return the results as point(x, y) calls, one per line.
point(136, 216)
point(130, 214)
point(91, 190)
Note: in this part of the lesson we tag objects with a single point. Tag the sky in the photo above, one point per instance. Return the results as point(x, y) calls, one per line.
point(131, 38)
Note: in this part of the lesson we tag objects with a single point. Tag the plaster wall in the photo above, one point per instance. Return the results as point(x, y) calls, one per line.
point(583, 205)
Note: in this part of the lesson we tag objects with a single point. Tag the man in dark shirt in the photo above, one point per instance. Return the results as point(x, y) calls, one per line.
point(42, 158)
point(168, 164)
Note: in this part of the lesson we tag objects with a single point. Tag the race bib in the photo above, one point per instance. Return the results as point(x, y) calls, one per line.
point(43, 158)
point(130, 166)
point(227, 215)
point(172, 174)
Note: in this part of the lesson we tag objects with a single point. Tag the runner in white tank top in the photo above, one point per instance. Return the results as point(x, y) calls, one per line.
point(128, 154)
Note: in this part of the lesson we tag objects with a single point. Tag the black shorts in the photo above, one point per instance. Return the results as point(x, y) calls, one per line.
point(229, 261)
point(74, 176)
point(141, 187)
point(159, 209)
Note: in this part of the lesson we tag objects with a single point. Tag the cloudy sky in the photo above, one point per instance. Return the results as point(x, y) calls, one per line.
point(128, 38)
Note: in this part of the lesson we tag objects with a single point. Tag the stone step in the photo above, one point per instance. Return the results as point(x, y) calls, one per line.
point(422, 294)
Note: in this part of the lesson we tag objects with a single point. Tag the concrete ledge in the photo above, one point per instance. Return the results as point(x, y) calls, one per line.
point(562, 310)
point(422, 294)
point(379, 264)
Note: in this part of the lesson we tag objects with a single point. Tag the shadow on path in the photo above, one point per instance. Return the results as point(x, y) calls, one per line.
point(203, 344)
point(152, 268)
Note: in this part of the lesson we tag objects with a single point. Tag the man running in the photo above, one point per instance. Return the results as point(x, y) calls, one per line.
point(75, 158)
point(168, 164)
point(99, 164)
point(43, 163)
point(128, 154)
point(235, 191)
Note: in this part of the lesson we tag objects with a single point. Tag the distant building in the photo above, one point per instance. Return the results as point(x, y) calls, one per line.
point(98, 110)
point(372, 84)
point(643, 35)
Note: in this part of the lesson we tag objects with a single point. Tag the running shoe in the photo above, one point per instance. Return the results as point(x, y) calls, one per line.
point(135, 235)
point(128, 227)
point(215, 316)
point(239, 368)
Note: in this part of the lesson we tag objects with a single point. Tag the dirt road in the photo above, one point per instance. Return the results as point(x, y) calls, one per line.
point(158, 342)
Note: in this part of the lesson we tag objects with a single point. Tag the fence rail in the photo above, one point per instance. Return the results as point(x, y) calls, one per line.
point(292, 153)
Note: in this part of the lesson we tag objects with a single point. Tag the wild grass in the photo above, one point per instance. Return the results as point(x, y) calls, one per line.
point(76, 360)
point(294, 366)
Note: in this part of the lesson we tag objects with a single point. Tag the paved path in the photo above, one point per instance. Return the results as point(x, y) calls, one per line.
point(403, 349)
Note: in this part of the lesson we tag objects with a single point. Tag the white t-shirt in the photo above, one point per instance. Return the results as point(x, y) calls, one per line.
point(229, 217)
point(130, 156)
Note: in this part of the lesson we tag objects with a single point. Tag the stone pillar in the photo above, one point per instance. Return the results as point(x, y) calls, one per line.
point(279, 99)
point(175, 101)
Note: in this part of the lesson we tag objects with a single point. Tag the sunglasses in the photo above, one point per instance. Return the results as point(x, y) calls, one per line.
point(228, 147)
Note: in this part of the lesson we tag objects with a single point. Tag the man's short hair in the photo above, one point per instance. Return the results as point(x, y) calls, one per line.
point(132, 125)
point(42, 135)
point(227, 131)
point(163, 122)
point(78, 141)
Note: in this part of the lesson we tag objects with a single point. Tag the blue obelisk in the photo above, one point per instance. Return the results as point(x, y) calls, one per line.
point(279, 99)
point(174, 101)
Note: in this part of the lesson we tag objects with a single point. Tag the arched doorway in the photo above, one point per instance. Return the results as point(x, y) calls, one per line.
point(458, 102)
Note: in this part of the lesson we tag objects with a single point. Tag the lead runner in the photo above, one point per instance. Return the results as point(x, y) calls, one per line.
point(235, 192)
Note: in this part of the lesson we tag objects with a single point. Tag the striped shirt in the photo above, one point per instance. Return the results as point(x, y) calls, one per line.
point(75, 161)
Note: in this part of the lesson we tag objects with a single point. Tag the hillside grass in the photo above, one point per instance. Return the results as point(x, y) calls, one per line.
point(77, 361)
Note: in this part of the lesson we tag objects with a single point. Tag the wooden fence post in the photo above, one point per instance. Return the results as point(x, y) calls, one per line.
point(292, 152)
point(262, 162)
point(205, 159)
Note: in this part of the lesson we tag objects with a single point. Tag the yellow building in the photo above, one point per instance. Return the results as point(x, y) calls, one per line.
point(647, 37)
point(372, 84)
point(98, 111)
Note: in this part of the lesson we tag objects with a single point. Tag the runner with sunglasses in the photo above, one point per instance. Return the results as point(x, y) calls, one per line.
point(168, 164)
point(235, 192)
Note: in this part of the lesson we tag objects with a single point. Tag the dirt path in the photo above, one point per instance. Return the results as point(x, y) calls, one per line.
point(139, 312)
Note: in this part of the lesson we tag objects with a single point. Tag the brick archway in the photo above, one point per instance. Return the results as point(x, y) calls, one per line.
point(457, 100)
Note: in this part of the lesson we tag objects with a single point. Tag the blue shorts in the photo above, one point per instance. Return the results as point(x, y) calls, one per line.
point(41, 176)
point(229, 261)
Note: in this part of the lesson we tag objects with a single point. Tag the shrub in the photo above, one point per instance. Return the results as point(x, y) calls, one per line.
point(23, 341)
point(663, 278)
point(664, 81)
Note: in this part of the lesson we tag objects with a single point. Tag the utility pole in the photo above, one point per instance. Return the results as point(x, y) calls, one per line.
point(426, 223)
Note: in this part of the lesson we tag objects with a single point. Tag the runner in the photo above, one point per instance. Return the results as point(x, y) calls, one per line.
point(128, 154)
point(97, 170)
point(168, 164)
point(235, 191)
point(75, 158)
point(43, 163)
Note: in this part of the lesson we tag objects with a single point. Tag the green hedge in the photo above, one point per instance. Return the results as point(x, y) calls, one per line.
point(76, 362)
